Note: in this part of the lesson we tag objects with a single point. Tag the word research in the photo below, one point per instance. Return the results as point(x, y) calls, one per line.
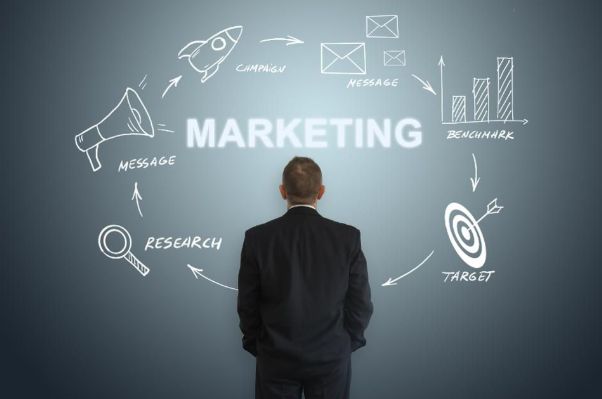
point(304, 133)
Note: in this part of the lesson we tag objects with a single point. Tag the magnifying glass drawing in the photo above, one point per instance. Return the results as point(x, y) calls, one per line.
point(113, 251)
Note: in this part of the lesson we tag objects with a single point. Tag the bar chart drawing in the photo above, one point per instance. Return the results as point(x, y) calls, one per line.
point(481, 98)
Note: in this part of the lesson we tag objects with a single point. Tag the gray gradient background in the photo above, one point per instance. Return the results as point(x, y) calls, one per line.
point(75, 324)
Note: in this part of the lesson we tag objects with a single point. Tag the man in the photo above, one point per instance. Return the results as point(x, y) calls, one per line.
point(303, 294)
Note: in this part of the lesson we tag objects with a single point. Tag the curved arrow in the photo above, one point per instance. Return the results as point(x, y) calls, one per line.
point(475, 180)
point(391, 281)
point(198, 272)
point(172, 82)
point(136, 196)
point(288, 39)
point(425, 84)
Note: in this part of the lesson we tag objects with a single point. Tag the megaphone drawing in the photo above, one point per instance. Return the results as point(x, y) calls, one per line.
point(129, 117)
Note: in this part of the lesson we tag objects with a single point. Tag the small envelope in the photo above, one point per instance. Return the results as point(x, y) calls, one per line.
point(382, 26)
point(343, 58)
point(395, 57)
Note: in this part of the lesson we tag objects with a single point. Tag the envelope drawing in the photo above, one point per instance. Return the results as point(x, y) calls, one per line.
point(343, 58)
point(394, 58)
point(382, 26)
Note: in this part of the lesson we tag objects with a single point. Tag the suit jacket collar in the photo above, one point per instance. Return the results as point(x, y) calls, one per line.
point(302, 210)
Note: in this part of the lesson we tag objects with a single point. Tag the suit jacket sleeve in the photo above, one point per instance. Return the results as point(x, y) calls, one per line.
point(248, 298)
point(358, 305)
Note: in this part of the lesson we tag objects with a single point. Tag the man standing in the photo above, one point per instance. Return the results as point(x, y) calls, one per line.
point(303, 294)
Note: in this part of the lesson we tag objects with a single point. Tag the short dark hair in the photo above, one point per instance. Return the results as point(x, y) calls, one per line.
point(302, 179)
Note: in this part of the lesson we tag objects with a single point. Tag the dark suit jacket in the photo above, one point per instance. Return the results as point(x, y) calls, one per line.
point(303, 291)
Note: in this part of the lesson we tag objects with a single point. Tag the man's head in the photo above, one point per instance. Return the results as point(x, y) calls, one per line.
point(302, 182)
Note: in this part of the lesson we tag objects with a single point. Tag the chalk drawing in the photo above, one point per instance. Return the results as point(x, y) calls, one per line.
point(382, 26)
point(426, 85)
point(343, 58)
point(137, 197)
point(465, 233)
point(474, 181)
point(172, 83)
point(481, 97)
point(205, 56)
point(199, 272)
point(505, 88)
point(394, 58)
point(441, 65)
point(290, 40)
point(393, 281)
point(129, 117)
point(162, 127)
point(143, 82)
point(124, 251)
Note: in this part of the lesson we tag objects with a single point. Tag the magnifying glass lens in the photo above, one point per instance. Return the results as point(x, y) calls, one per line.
point(115, 242)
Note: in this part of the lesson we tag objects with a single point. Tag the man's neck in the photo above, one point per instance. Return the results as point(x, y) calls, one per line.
point(289, 206)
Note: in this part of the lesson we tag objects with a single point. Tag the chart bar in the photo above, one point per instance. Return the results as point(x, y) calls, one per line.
point(480, 94)
point(458, 108)
point(505, 88)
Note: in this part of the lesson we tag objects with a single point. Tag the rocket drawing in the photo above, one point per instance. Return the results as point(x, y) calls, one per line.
point(205, 56)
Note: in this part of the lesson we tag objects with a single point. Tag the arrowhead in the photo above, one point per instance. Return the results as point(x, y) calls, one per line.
point(525, 121)
point(136, 195)
point(195, 271)
point(388, 283)
point(475, 183)
point(175, 80)
point(441, 63)
point(294, 40)
point(428, 87)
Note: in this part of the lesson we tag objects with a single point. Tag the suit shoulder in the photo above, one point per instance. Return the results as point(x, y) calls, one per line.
point(262, 226)
point(344, 226)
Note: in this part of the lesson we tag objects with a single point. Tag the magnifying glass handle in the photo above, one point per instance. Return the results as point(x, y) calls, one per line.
point(136, 263)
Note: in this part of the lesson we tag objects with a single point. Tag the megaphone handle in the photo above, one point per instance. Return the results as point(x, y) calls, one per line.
point(92, 154)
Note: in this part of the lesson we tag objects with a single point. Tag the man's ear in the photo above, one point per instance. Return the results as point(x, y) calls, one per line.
point(282, 191)
point(321, 191)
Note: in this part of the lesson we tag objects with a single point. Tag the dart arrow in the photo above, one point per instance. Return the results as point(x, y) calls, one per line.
point(198, 272)
point(474, 180)
point(492, 209)
point(136, 196)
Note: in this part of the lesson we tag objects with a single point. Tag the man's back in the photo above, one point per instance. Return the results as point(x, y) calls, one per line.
point(303, 295)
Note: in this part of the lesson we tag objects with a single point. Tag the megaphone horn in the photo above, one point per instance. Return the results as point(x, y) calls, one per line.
point(129, 117)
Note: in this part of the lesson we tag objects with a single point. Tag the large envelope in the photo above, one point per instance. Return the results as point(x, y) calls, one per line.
point(382, 26)
point(395, 58)
point(343, 58)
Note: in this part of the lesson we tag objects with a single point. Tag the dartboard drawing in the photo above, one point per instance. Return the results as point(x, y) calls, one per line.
point(465, 235)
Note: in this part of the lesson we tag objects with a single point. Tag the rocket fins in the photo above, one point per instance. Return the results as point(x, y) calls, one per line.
point(209, 72)
point(190, 49)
